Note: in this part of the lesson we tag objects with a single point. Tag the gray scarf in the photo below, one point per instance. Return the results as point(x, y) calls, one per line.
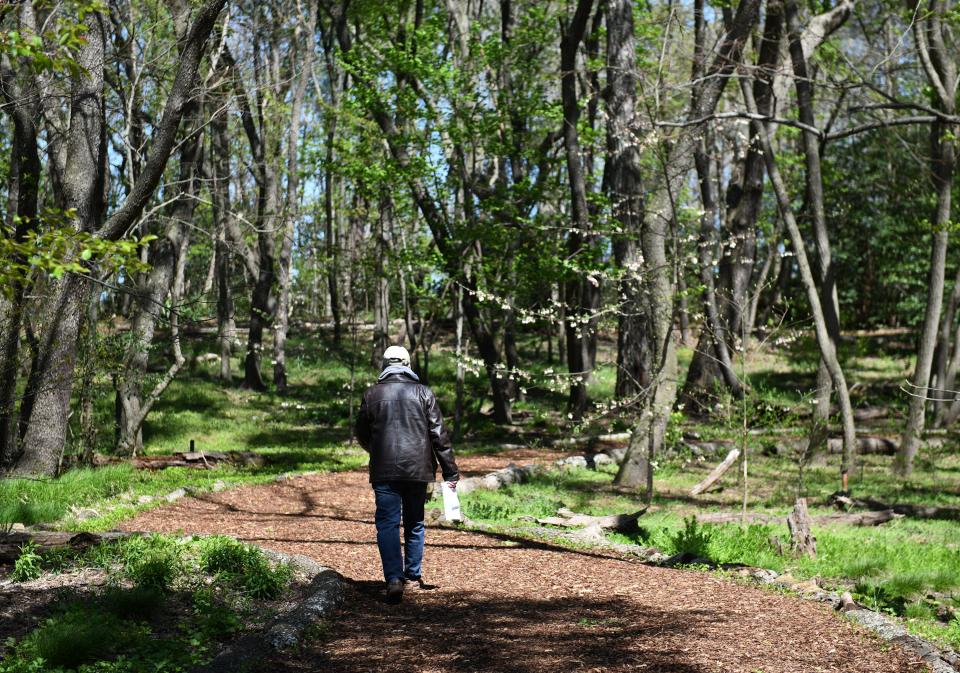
point(397, 369)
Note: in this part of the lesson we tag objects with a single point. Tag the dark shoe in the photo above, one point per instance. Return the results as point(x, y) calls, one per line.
point(394, 591)
point(418, 583)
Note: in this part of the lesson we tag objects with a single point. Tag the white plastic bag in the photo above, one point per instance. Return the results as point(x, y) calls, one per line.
point(451, 503)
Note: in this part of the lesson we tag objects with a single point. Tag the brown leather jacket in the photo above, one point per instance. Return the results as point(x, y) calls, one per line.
point(400, 426)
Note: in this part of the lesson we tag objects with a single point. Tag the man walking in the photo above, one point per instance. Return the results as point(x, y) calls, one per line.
point(400, 426)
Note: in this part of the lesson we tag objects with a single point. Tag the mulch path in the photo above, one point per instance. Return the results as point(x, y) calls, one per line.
point(511, 606)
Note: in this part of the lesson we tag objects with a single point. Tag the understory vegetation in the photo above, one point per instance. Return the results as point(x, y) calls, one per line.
point(907, 567)
point(720, 229)
point(155, 603)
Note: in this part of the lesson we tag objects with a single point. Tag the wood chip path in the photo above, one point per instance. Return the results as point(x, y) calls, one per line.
point(517, 607)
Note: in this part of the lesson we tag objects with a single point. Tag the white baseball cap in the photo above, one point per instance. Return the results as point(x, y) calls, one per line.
point(396, 355)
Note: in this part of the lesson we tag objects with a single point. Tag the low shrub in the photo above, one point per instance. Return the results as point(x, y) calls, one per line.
point(214, 616)
point(154, 570)
point(262, 581)
point(224, 555)
point(692, 539)
point(28, 566)
point(244, 565)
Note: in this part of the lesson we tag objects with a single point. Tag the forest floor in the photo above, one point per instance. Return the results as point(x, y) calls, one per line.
point(908, 567)
point(512, 605)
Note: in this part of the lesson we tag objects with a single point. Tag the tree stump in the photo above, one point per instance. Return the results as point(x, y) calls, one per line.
point(802, 541)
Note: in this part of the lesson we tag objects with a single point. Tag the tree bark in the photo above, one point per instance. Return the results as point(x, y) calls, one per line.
point(329, 236)
point(223, 272)
point(292, 211)
point(944, 362)
point(827, 349)
point(381, 286)
point(51, 379)
point(623, 184)
point(817, 212)
point(710, 369)
point(940, 66)
point(22, 197)
point(158, 283)
point(263, 302)
point(44, 428)
point(580, 323)
point(658, 312)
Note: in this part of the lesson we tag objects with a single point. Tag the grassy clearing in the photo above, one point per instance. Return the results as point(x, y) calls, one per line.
point(909, 568)
point(164, 606)
point(306, 430)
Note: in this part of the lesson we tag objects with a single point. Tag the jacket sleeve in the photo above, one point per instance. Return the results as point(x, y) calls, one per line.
point(362, 429)
point(440, 440)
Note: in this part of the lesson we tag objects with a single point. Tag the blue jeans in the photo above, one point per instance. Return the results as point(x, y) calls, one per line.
point(398, 500)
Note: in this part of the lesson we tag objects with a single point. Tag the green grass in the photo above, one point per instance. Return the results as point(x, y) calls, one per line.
point(162, 609)
point(76, 637)
point(893, 568)
point(307, 430)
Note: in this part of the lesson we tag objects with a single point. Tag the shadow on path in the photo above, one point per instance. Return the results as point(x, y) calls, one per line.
point(479, 631)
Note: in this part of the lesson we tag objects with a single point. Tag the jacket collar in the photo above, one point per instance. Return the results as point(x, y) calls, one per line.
point(397, 370)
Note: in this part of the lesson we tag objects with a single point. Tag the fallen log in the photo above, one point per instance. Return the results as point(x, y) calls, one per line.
point(622, 523)
point(11, 543)
point(859, 415)
point(873, 445)
point(877, 446)
point(845, 502)
point(511, 474)
point(717, 472)
point(736, 517)
point(874, 518)
point(857, 519)
point(701, 447)
point(611, 440)
point(193, 459)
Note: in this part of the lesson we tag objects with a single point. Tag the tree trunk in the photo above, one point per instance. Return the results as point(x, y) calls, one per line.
point(47, 400)
point(47, 397)
point(220, 191)
point(623, 184)
point(459, 353)
point(943, 159)
point(940, 66)
point(683, 317)
point(291, 215)
point(771, 267)
point(658, 310)
point(330, 225)
point(88, 375)
point(580, 322)
point(944, 363)
point(158, 282)
point(714, 336)
point(827, 349)
point(44, 425)
point(381, 285)
point(710, 369)
point(815, 207)
point(22, 196)
point(511, 354)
